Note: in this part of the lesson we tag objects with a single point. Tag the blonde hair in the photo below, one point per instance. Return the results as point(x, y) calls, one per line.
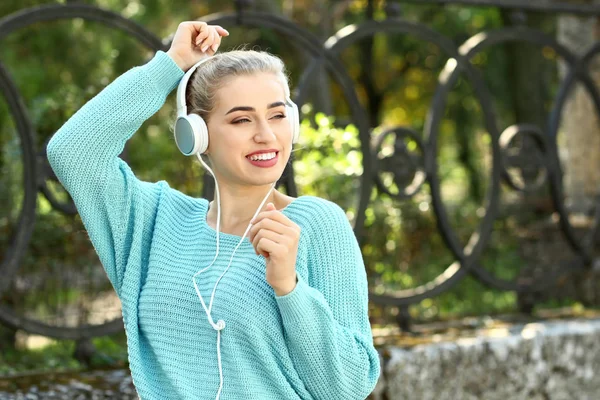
point(212, 75)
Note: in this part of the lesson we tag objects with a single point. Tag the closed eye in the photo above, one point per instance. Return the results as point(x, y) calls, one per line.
point(244, 120)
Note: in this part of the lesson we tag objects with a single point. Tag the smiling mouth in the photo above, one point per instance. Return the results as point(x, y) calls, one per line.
point(269, 159)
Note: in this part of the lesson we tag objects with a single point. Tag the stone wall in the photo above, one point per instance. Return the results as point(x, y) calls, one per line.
point(550, 360)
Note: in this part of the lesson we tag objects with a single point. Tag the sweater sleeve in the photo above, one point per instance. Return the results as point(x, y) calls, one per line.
point(327, 326)
point(115, 207)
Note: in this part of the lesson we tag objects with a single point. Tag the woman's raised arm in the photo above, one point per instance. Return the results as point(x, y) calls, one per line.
point(114, 205)
point(116, 208)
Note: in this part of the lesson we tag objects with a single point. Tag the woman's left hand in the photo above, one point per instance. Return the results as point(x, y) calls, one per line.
point(275, 237)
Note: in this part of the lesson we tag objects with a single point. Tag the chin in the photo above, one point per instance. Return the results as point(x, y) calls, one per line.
point(266, 178)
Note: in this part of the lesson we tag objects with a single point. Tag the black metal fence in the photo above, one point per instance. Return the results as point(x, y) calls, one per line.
point(36, 171)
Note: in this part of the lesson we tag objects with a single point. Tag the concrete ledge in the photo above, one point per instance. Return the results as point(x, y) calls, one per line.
point(549, 360)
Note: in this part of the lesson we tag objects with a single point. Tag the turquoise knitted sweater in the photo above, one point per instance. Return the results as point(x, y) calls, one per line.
point(313, 343)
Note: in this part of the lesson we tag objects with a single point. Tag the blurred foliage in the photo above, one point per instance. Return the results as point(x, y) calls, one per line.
point(59, 65)
point(111, 351)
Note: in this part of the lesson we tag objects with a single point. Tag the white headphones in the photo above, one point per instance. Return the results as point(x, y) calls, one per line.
point(190, 130)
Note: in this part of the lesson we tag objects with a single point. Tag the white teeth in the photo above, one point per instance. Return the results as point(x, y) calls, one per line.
point(263, 156)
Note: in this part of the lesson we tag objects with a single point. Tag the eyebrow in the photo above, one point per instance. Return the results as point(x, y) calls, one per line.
point(246, 108)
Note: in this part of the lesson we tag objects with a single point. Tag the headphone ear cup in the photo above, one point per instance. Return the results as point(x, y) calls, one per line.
point(294, 119)
point(191, 134)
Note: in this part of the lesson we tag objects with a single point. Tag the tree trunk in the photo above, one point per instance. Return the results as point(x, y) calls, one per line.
point(528, 74)
point(580, 121)
point(8, 335)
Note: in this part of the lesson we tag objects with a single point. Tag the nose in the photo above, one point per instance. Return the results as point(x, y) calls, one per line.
point(264, 132)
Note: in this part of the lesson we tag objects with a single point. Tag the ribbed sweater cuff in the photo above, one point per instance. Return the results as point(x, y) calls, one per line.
point(293, 305)
point(164, 72)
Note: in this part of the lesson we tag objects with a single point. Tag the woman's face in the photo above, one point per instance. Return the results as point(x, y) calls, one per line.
point(249, 116)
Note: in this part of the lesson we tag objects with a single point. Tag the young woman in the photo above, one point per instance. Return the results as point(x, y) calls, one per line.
point(290, 317)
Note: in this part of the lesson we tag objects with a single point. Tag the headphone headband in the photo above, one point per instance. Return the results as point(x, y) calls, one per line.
point(181, 103)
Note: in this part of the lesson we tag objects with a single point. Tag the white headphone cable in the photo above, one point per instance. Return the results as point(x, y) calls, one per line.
point(221, 324)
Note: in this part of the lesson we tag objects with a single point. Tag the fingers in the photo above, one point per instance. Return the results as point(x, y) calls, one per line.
point(204, 33)
point(194, 27)
point(193, 38)
point(266, 242)
point(285, 237)
point(275, 215)
point(221, 31)
point(209, 37)
point(205, 36)
point(216, 40)
point(207, 42)
point(266, 224)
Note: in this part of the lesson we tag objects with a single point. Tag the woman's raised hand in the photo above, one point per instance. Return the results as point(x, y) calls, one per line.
point(193, 41)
